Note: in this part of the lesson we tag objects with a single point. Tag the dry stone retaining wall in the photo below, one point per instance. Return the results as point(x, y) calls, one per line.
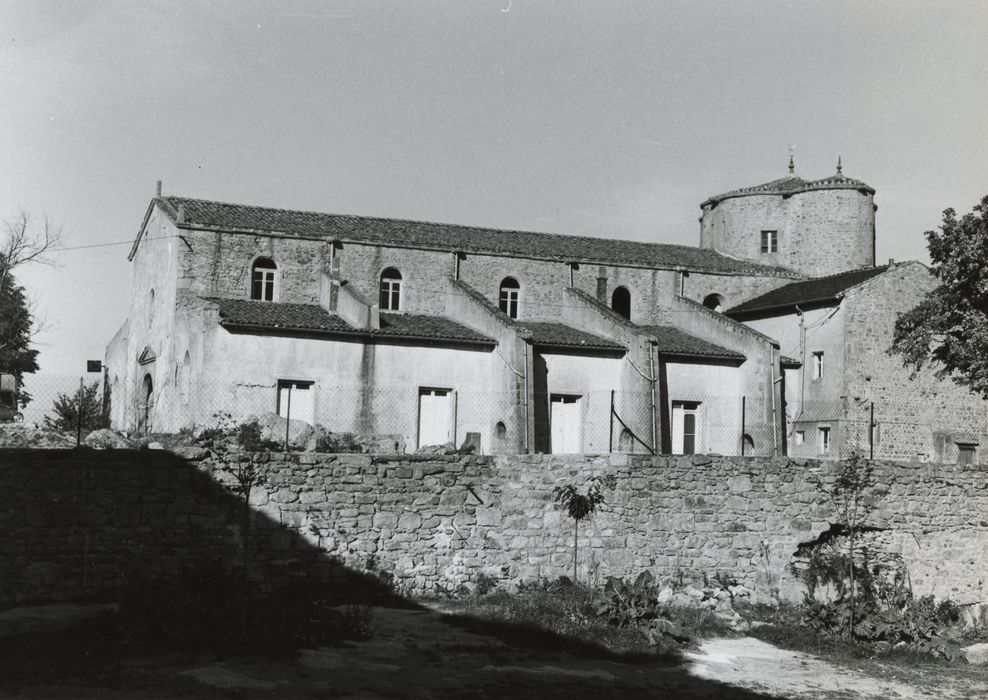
point(436, 522)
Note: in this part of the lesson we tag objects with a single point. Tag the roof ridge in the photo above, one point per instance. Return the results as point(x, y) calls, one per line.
point(705, 260)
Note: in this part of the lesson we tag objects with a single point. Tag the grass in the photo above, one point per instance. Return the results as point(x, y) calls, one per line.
point(558, 617)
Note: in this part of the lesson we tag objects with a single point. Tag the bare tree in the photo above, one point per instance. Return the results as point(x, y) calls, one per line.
point(22, 242)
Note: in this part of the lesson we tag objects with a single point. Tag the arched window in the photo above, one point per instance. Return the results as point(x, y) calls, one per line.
point(714, 301)
point(621, 302)
point(145, 405)
point(263, 279)
point(390, 290)
point(508, 299)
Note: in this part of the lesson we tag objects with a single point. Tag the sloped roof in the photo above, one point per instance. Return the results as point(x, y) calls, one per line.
point(199, 213)
point(818, 290)
point(792, 184)
point(312, 318)
point(266, 314)
point(673, 341)
point(423, 326)
point(558, 335)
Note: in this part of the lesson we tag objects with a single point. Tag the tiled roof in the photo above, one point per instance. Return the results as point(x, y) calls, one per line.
point(265, 314)
point(821, 289)
point(791, 184)
point(673, 341)
point(199, 213)
point(422, 326)
point(558, 335)
point(312, 318)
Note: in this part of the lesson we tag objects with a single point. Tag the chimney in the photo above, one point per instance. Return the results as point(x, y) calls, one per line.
point(157, 189)
point(181, 214)
point(891, 262)
point(602, 285)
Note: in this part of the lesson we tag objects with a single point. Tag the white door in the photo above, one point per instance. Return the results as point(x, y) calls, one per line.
point(295, 401)
point(565, 419)
point(435, 417)
point(685, 427)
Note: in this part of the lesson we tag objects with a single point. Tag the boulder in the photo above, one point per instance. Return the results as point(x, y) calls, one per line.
point(447, 449)
point(273, 429)
point(976, 654)
point(106, 439)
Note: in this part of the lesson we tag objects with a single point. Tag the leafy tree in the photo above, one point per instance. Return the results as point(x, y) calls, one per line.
point(21, 243)
point(949, 327)
point(854, 495)
point(581, 505)
point(86, 400)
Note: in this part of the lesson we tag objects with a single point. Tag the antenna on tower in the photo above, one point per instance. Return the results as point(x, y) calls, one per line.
point(838, 166)
point(792, 162)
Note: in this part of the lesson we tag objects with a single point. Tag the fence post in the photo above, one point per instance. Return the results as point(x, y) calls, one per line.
point(288, 416)
point(78, 415)
point(743, 426)
point(610, 426)
point(871, 432)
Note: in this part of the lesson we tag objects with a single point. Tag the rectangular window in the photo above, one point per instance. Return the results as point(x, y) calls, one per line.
point(818, 365)
point(390, 294)
point(965, 454)
point(823, 440)
point(509, 301)
point(565, 420)
point(800, 437)
point(685, 427)
point(770, 241)
point(262, 285)
point(295, 400)
point(435, 417)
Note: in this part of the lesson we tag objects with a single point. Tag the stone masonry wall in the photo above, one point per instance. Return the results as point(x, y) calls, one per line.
point(88, 521)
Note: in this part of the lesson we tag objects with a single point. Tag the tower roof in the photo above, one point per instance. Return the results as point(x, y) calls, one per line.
point(792, 184)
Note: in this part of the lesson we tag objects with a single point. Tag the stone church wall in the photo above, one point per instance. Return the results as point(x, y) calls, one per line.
point(78, 524)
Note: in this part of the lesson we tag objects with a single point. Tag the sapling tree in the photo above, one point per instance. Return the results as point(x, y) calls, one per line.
point(581, 505)
point(854, 495)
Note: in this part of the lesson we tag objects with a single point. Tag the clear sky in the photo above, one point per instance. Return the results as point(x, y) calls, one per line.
point(605, 118)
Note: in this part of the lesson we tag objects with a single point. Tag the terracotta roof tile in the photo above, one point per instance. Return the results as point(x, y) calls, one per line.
point(820, 289)
point(311, 318)
point(792, 184)
point(558, 335)
point(422, 326)
point(452, 237)
point(673, 341)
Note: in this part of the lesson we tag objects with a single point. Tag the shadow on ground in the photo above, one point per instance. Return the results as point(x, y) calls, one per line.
point(192, 580)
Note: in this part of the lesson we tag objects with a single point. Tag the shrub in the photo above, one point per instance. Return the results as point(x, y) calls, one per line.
point(84, 405)
point(338, 443)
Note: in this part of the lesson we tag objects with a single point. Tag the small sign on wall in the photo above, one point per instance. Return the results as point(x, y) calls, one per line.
point(94, 366)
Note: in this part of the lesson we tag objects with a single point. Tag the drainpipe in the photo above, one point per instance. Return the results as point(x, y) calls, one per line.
point(802, 357)
point(528, 444)
point(775, 413)
point(653, 350)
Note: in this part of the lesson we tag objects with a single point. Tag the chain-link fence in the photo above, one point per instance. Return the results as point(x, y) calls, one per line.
point(408, 418)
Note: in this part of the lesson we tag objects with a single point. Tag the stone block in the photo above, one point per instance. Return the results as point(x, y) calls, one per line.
point(409, 521)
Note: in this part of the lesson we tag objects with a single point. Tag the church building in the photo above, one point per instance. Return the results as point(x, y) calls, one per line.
point(524, 342)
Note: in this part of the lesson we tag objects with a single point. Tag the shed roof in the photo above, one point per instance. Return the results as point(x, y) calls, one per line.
point(820, 290)
point(672, 341)
point(312, 318)
point(558, 335)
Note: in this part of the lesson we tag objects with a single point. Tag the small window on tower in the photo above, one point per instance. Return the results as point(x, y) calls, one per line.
point(770, 242)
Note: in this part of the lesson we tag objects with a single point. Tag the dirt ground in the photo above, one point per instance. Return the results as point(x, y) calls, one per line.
point(419, 654)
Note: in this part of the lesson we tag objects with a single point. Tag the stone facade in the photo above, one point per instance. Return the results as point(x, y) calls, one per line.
point(822, 227)
point(434, 523)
